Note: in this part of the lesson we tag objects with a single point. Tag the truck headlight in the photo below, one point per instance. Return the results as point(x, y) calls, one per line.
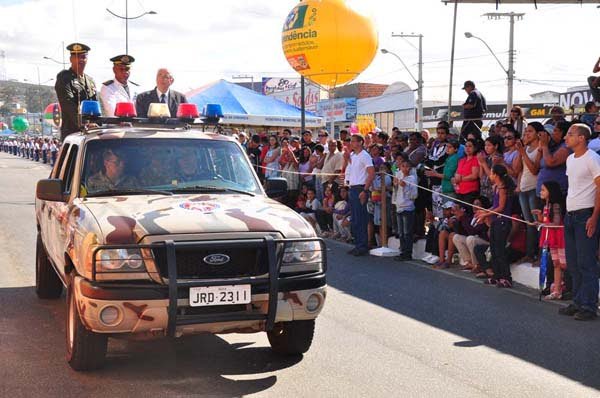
point(119, 260)
point(304, 256)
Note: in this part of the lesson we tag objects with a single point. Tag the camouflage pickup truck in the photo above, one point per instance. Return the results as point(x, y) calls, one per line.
point(163, 232)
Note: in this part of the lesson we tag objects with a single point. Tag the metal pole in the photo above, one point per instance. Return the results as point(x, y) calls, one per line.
point(63, 54)
point(383, 229)
point(40, 98)
point(126, 27)
point(420, 86)
point(332, 121)
point(452, 61)
point(511, 60)
point(302, 107)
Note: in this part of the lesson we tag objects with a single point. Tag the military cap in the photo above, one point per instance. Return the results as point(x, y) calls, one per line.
point(78, 48)
point(122, 60)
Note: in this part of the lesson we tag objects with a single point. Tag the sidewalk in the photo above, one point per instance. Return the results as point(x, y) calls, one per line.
point(523, 274)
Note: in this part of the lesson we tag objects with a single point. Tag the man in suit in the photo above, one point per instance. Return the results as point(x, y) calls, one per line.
point(161, 93)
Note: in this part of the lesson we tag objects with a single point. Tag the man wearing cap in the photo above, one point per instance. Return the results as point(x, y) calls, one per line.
point(473, 110)
point(161, 93)
point(116, 90)
point(73, 86)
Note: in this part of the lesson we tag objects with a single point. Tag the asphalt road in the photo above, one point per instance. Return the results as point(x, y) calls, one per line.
point(389, 329)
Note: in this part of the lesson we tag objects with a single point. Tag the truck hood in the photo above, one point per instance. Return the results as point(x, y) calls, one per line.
point(128, 219)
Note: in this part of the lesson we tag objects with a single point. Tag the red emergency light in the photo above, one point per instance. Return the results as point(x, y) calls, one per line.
point(125, 109)
point(187, 111)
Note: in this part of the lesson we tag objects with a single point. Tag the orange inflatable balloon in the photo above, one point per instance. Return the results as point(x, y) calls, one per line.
point(328, 42)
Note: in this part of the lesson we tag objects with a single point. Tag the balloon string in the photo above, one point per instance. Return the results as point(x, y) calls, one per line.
point(455, 200)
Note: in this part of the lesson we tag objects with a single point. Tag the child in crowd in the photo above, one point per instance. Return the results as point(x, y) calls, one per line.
point(406, 184)
point(325, 213)
point(554, 237)
point(432, 243)
point(308, 211)
point(503, 190)
point(341, 213)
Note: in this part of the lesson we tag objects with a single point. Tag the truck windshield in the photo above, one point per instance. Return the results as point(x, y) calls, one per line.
point(139, 166)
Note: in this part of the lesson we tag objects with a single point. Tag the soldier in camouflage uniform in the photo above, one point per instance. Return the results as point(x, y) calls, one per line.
point(112, 176)
point(73, 86)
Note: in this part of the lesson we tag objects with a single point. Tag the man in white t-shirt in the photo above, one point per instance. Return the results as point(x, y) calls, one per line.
point(581, 223)
point(359, 174)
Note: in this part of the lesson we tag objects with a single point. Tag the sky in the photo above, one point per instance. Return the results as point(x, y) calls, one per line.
point(202, 41)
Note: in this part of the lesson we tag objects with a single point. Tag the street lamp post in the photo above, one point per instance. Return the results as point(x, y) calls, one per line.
point(56, 62)
point(510, 72)
point(127, 18)
point(419, 81)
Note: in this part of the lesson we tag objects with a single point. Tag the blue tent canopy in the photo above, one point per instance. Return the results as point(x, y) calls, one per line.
point(247, 107)
point(6, 132)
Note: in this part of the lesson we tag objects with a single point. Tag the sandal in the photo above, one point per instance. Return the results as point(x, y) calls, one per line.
point(504, 283)
point(482, 275)
point(443, 265)
point(490, 281)
point(553, 296)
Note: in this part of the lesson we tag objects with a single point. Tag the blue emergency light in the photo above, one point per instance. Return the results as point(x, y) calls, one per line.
point(212, 111)
point(90, 108)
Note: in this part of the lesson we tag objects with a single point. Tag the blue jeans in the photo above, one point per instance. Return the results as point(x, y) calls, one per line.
point(581, 254)
point(360, 220)
point(406, 225)
point(529, 201)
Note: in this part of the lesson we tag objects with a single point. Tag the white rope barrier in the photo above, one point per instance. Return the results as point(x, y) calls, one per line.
point(453, 199)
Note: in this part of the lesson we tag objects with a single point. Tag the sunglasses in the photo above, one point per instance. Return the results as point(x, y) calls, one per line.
point(597, 122)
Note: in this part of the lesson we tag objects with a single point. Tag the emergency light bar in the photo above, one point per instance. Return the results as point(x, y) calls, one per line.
point(158, 113)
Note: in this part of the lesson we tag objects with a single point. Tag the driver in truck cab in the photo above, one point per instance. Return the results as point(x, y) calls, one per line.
point(112, 174)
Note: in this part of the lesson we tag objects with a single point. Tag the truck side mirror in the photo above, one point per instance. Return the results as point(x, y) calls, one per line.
point(276, 187)
point(50, 189)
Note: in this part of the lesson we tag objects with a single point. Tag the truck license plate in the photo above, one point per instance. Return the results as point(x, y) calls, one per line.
point(219, 295)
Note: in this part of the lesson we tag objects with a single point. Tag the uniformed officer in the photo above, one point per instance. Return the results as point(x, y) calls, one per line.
point(187, 166)
point(73, 86)
point(116, 90)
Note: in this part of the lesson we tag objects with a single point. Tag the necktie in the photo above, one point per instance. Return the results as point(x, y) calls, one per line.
point(126, 87)
point(162, 99)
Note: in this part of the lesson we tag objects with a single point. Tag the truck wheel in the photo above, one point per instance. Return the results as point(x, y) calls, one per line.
point(86, 350)
point(47, 283)
point(292, 338)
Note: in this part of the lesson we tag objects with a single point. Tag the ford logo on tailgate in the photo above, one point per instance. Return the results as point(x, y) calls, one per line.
point(216, 259)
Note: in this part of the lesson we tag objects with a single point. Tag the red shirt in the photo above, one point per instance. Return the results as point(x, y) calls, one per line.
point(465, 168)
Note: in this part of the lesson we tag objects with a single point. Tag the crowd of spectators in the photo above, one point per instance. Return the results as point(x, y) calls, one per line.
point(44, 150)
point(468, 198)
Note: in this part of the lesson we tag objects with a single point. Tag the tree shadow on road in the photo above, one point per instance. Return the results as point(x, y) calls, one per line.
point(485, 316)
point(32, 359)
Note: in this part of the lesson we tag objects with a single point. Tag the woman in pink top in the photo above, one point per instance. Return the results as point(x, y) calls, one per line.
point(466, 179)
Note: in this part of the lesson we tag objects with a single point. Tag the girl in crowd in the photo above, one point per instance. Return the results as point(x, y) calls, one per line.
point(466, 179)
point(500, 226)
point(517, 119)
point(376, 196)
point(271, 160)
point(305, 166)
point(493, 148)
point(325, 214)
point(554, 237)
point(289, 166)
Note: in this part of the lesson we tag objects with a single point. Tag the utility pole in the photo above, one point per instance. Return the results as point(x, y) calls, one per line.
point(511, 49)
point(420, 78)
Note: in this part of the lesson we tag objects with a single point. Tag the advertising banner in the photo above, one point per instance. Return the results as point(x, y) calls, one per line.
point(344, 109)
point(288, 90)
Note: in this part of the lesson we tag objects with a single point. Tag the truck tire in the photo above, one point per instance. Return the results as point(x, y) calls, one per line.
point(86, 350)
point(47, 283)
point(292, 338)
